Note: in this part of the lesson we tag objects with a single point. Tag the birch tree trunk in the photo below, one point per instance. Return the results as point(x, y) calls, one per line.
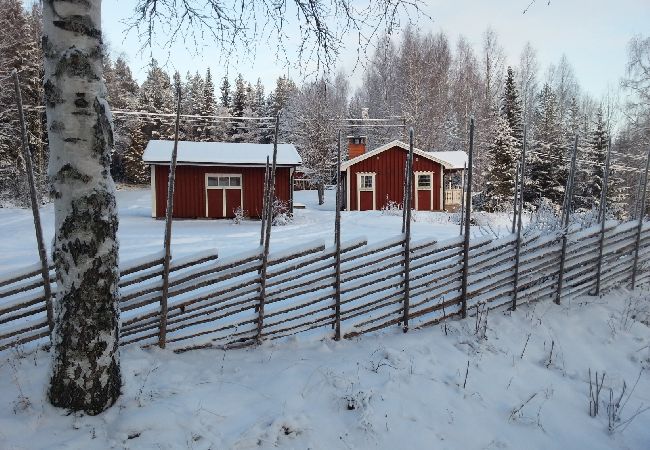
point(85, 371)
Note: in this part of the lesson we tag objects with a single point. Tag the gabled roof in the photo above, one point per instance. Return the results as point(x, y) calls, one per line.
point(438, 157)
point(227, 153)
point(456, 158)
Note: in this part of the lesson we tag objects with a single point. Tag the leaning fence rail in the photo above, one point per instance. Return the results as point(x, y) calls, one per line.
point(214, 301)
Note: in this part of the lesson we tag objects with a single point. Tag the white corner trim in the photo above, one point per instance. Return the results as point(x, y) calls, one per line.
point(153, 190)
point(347, 190)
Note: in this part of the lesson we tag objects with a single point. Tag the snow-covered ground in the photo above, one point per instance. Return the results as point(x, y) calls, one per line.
point(140, 235)
point(526, 385)
point(389, 390)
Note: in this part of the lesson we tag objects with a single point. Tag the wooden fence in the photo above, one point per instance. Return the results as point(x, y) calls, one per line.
point(215, 301)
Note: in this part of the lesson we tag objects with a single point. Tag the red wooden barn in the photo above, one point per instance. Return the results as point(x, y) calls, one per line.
point(373, 179)
point(213, 179)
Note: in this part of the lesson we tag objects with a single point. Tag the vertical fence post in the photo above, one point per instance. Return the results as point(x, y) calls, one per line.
point(515, 283)
point(462, 198)
point(602, 213)
point(42, 254)
point(267, 237)
point(640, 224)
point(162, 335)
point(407, 233)
point(514, 200)
point(566, 213)
point(337, 243)
point(265, 200)
point(468, 210)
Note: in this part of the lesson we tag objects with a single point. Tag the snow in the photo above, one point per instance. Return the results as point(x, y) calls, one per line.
point(389, 390)
point(456, 159)
point(140, 235)
point(220, 153)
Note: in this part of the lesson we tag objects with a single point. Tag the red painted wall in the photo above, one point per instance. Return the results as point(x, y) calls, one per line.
point(389, 167)
point(189, 192)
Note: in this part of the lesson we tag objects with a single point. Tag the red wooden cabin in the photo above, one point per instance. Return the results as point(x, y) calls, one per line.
point(373, 179)
point(213, 179)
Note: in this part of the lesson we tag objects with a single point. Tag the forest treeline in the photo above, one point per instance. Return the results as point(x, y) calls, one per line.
point(419, 80)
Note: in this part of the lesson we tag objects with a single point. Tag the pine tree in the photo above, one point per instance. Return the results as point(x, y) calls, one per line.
point(502, 166)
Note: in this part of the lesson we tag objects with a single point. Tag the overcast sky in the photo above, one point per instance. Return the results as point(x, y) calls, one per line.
point(592, 33)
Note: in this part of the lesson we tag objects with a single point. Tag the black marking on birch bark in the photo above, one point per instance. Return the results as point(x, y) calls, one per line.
point(76, 63)
point(57, 127)
point(78, 24)
point(67, 174)
point(52, 94)
point(103, 131)
point(48, 50)
point(80, 100)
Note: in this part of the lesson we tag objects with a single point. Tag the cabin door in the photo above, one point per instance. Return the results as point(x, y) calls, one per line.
point(223, 195)
point(424, 191)
point(366, 200)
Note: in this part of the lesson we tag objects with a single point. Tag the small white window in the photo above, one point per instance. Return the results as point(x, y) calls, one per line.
point(424, 181)
point(366, 182)
point(213, 181)
point(235, 181)
point(224, 181)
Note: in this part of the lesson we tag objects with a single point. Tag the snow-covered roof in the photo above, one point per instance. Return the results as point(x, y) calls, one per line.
point(456, 159)
point(228, 153)
point(439, 157)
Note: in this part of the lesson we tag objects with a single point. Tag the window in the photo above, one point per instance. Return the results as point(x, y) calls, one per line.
point(424, 181)
point(224, 181)
point(366, 182)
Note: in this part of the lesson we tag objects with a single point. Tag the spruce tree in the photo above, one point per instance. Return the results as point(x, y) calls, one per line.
point(239, 129)
point(502, 166)
point(208, 107)
point(511, 108)
point(598, 153)
point(225, 98)
point(547, 165)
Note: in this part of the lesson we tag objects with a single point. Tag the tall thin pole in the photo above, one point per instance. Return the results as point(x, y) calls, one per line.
point(640, 225)
point(468, 210)
point(265, 200)
point(162, 336)
point(337, 243)
point(267, 238)
point(407, 233)
point(42, 254)
point(602, 213)
point(462, 198)
point(566, 213)
point(514, 200)
point(522, 181)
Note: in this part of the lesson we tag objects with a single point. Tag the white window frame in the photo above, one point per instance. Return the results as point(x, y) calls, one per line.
point(373, 190)
point(225, 188)
point(418, 188)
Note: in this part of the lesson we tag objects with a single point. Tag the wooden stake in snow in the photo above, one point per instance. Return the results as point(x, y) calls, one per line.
point(162, 336)
point(522, 165)
point(337, 243)
point(265, 201)
point(514, 200)
point(602, 213)
point(468, 210)
point(462, 198)
point(566, 214)
point(267, 238)
point(407, 231)
point(45, 272)
point(640, 225)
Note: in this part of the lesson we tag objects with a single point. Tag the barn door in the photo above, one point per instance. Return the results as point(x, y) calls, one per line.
point(223, 195)
point(366, 200)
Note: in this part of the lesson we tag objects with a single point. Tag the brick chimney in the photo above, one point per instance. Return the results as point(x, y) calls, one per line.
point(356, 146)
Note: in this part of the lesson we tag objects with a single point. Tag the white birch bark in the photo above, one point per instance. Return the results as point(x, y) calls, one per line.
point(85, 372)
